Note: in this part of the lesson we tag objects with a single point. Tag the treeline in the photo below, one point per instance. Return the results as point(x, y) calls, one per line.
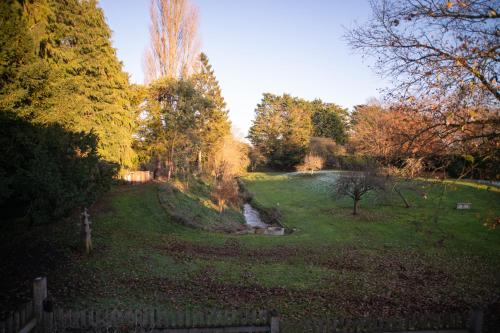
point(71, 120)
point(284, 125)
point(291, 133)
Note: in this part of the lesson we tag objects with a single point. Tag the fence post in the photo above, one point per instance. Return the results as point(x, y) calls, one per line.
point(39, 295)
point(476, 321)
point(86, 231)
point(275, 322)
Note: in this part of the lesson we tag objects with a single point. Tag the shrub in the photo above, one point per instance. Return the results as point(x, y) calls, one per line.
point(311, 163)
point(225, 191)
point(45, 171)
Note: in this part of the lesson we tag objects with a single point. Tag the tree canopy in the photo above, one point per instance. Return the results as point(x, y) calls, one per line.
point(283, 126)
point(64, 70)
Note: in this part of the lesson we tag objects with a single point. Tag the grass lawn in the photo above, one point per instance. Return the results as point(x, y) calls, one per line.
point(388, 261)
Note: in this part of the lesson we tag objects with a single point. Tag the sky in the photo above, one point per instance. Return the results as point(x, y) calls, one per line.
point(258, 46)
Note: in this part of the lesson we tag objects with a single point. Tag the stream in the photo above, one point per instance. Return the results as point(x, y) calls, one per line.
point(252, 217)
point(256, 225)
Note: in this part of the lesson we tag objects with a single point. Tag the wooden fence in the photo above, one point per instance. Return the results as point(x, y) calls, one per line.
point(41, 316)
point(135, 177)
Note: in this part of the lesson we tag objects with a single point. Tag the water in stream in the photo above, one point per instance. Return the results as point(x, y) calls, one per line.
point(252, 217)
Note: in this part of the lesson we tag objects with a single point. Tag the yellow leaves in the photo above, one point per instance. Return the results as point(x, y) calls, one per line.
point(460, 61)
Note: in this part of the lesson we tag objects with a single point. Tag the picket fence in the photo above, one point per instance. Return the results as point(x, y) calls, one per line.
point(41, 316)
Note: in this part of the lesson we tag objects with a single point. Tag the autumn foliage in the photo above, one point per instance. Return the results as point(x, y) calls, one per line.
point(311, 163)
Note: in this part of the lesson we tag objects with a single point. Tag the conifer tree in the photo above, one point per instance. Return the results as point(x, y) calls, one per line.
point(213, 122)
point(71, 75)
point(281, 130)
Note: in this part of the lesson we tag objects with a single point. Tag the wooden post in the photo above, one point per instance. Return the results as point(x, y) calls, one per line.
point(87, 232)
point(39, 295)
point(275, 322)
point(476, 322)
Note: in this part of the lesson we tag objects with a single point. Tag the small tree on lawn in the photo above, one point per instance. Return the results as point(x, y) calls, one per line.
point(356, 184)
point(311, 163)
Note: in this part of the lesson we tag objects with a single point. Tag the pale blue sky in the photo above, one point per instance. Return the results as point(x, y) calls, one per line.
point(257, 46)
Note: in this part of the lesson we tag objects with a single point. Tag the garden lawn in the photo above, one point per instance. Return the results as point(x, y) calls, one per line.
point(388, 261)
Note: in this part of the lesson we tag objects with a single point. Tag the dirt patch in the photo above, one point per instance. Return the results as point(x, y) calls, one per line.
point(231, 249)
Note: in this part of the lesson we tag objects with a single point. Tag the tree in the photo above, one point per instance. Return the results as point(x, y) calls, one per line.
point(214, 124)
point(434, 44)
point(331, 152)
point(169, 130)
point(281, 130)
point(173, 45)
point(443, 56)
point(231, 160)
point(355, 184)
point(394, 133)
point(402, 181)
point(311, 163)
point(225, 191)
point(67, 72)
point(46, 170)
point(329, 121)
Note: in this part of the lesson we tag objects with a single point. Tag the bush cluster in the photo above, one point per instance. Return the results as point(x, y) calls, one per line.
point(46, 170)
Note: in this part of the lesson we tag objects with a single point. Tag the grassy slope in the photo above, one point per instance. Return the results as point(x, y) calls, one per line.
point(388, 261)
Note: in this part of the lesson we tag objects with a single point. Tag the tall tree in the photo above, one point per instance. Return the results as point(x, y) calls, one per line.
point(213, 123)
point(174, 44)
point(24, 77)
point(71, 76)
point(329, 121)
point(170, 132)
point(281, 130)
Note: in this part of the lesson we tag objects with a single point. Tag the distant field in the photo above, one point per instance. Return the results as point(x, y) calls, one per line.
point(387, 261)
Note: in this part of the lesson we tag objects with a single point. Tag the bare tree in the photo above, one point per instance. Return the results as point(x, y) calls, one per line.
point(444, 58)
point(356, 184)
point(174, 39)
point(430, 44)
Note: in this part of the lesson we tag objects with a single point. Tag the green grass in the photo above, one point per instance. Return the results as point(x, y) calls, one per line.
point(387, 261)
point(307, 206)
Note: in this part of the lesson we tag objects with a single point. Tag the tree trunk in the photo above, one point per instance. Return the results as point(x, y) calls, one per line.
point(355, 207)
point(156, 172)
point(171, 162)
point(169, 173)
point(200, 166)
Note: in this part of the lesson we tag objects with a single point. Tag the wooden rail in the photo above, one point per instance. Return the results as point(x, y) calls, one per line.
point(40, 316)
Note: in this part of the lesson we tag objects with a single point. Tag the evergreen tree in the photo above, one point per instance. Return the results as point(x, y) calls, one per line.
point(24, 78)
point(281, 130)
point(213, 122)
point(67, 72)
point(329, 121)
